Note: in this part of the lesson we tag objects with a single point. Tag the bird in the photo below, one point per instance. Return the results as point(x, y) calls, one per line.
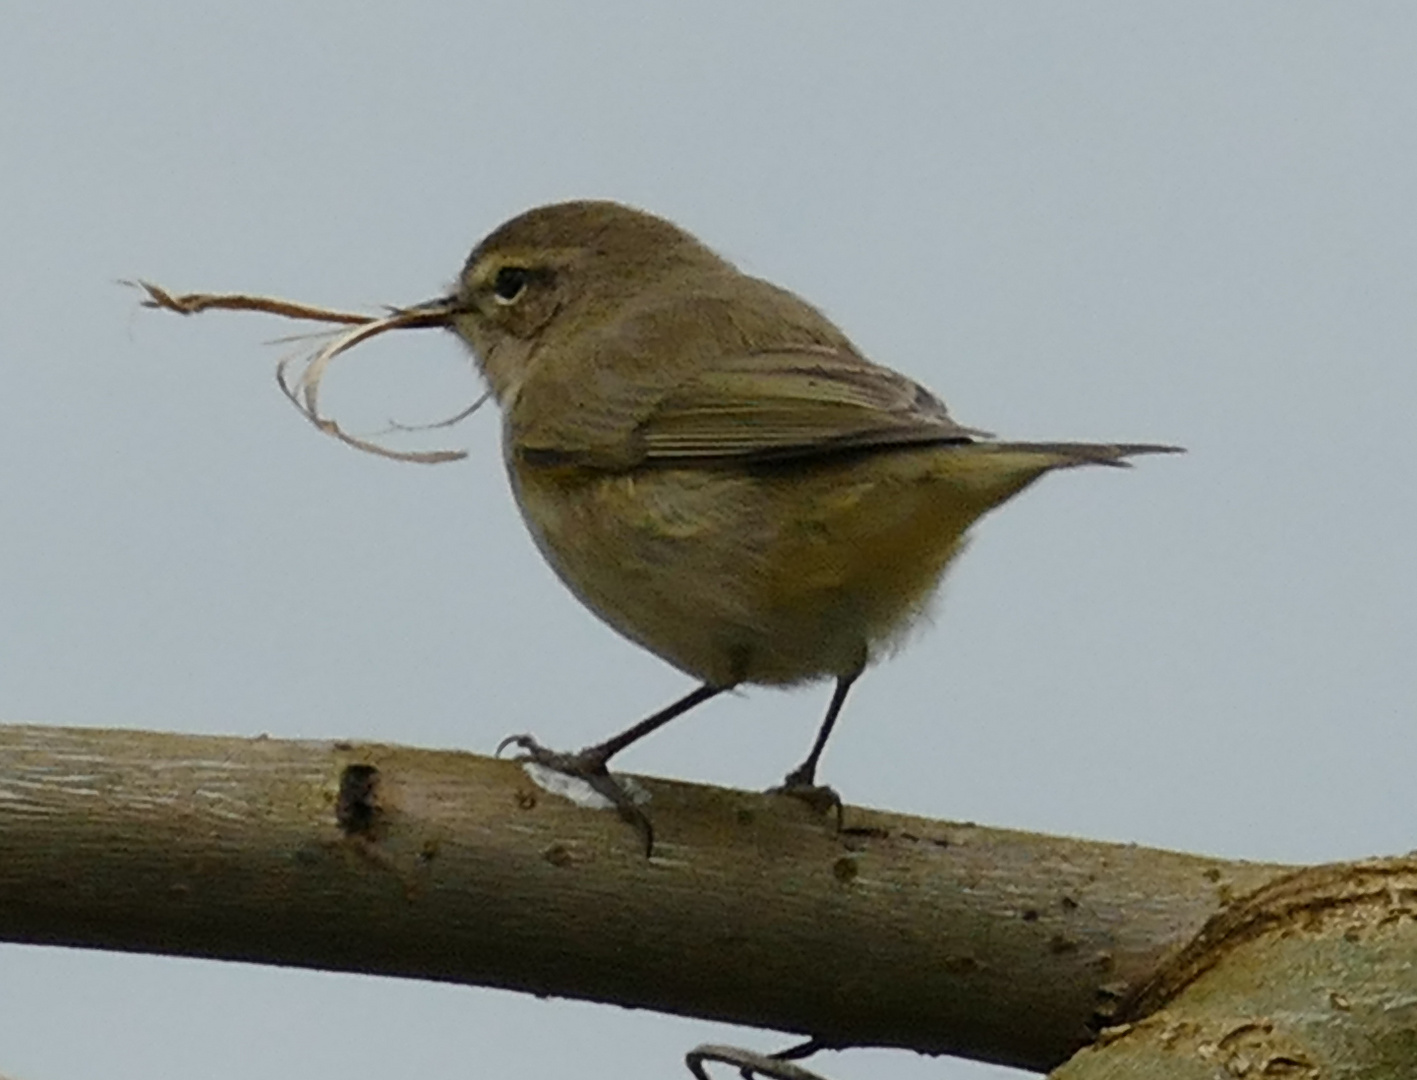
point(713, 468)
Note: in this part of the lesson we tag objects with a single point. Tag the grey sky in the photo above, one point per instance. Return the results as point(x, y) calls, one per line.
point(1139, 221)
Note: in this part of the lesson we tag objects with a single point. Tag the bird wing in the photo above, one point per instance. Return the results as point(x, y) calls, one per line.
point(792, 403)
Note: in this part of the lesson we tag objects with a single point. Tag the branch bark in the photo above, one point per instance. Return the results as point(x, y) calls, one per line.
point(938, 936)
point(1314, 977)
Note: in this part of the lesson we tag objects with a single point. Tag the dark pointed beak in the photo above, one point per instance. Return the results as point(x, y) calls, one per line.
point(436, 312)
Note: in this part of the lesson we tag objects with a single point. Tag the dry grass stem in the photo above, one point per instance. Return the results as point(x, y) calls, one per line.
point(304, 390)
point(193, 303)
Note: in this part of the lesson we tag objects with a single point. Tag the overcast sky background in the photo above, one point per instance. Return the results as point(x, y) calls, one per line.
point(1137, 221)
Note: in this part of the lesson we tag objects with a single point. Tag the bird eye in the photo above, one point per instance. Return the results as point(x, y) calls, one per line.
point(510, 283)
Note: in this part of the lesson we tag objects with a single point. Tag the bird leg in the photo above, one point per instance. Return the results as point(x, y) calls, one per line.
point(801, 782)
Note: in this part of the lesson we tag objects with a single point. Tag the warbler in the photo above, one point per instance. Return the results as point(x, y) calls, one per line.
point(712, 467)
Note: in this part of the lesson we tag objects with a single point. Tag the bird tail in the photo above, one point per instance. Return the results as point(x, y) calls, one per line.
point(1067, 455)
point(988, 473)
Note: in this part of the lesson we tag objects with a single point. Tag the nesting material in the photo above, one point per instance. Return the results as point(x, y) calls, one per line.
point(303, 389)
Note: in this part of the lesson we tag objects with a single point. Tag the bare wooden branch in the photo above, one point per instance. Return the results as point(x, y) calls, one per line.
point(938, 936)
point(1313, 977)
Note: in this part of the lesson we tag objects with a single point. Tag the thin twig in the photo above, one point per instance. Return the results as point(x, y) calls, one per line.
point(749, 1063)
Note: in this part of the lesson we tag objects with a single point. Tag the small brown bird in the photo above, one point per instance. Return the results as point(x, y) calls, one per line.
point(712, 467)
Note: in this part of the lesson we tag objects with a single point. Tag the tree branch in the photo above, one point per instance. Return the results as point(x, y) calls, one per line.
point(1312, 977)
point(937, 936)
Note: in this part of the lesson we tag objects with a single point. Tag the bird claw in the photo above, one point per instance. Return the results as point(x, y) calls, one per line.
point(821, 798)
point(522, 742)
point(588, 766)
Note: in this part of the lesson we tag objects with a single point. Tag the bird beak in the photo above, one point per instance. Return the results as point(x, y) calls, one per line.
point(437, 312)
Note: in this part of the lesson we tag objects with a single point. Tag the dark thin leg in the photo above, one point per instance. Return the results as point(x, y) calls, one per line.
point(592, 760)
point(603, 752)
point(805, 775)
point(589, 764)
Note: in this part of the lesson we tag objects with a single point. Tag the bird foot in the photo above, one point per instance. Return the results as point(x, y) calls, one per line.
point(822, 798)
point(588, 766)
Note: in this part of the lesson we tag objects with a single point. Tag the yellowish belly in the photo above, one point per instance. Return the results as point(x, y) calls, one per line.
point(771, 576)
